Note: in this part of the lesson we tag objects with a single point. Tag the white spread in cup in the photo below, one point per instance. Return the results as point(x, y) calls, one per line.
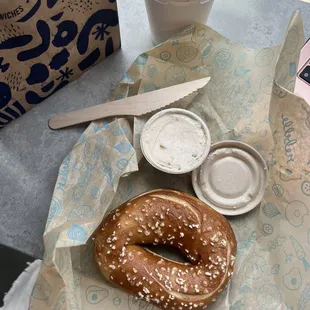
point(175, 141)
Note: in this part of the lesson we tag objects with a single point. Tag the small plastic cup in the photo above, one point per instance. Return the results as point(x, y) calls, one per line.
point(168, 17)
point(175, 141)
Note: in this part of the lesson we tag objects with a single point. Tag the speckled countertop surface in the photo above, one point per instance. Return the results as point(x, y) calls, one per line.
point(31, 153)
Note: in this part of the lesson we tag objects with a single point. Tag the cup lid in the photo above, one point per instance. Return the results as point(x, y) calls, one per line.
point(232, 179)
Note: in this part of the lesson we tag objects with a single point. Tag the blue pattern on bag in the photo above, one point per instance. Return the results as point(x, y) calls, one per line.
point(69, 36)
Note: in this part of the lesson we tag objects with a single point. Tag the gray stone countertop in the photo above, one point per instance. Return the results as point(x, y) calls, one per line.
point(31, 153)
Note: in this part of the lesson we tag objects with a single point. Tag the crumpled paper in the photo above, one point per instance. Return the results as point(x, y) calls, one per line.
point(249, 98)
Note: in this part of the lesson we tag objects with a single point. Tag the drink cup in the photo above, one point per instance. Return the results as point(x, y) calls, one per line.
point(168, 17)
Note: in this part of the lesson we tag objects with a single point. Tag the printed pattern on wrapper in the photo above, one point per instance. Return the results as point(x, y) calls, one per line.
point(45, 44)
point(248, 99)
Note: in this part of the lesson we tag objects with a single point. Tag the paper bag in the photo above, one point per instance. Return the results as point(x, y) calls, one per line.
point(45, 44)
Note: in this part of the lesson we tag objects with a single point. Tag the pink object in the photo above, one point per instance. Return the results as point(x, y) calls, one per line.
point(302, 86)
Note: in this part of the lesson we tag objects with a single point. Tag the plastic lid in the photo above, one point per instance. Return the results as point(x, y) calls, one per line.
point(232, 179)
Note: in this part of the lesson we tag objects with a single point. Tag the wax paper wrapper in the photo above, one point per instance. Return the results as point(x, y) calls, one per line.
point(249, 98)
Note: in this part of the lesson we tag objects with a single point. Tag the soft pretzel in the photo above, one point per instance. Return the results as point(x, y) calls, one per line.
point(172, 218)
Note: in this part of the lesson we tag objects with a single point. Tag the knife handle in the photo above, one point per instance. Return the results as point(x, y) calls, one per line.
point(103, 110)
